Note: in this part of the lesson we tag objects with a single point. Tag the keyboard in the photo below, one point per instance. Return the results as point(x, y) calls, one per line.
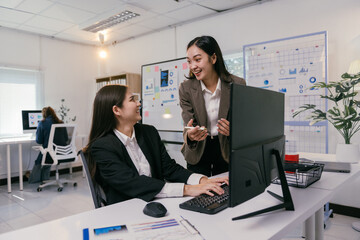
point(208, 204)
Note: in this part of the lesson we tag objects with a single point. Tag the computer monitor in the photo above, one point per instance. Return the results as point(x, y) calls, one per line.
point(30, 120)
point(257, 144)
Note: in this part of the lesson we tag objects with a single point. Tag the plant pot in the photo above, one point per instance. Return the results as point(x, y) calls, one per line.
point(347, 152)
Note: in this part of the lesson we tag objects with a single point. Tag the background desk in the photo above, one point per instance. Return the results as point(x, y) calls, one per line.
point(273, 225)
point(15, 141)
point(345, 194)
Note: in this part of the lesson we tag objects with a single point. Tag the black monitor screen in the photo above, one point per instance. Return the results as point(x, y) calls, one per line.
point(31, 119)
point(256, 128)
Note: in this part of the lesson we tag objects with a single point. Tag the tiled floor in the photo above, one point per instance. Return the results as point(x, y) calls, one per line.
point(29, 207)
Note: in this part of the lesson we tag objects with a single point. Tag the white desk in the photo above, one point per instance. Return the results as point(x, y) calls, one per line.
point(274, 225)
point(13, 141)
point(330, 180)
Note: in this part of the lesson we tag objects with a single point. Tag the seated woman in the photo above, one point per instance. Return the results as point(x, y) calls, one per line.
point(129, 160)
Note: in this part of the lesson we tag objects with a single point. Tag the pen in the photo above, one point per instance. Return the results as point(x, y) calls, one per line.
point(201, 128)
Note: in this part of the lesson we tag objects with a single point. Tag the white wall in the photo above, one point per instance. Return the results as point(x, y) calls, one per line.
point(68, 70)
point(267, 21)
point(263, 22)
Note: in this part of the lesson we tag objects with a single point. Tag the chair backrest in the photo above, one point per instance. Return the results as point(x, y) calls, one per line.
point(61, 145)
point(97, 192)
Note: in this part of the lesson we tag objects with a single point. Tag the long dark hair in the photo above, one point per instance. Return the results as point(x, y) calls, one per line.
point(49, 111)
point(103, 120)
point(209, 45)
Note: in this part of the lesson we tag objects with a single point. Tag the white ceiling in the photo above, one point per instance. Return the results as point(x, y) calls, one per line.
point(65, 19)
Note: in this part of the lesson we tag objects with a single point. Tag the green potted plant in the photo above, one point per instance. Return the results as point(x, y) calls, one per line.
point(343, 115)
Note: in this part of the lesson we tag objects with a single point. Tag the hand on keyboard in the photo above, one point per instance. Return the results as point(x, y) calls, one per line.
point(206, 186)
point(208, 204)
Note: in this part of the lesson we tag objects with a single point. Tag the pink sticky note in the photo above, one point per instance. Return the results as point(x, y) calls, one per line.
point(146, 113)
point(185, 66)
point(156, 68)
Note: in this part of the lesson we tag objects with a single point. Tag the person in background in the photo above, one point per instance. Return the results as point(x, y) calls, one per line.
point(42, 173)
point(128, 159)
point(205, 102)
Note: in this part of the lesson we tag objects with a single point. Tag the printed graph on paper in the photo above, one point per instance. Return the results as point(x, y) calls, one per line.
point(291, 66)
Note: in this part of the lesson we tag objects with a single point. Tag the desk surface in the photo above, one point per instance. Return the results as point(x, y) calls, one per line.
point(273, 225)
point(18, 139)
point(332, 181)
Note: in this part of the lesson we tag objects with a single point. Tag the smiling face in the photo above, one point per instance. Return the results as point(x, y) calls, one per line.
point(200, 63)
point(130, 110)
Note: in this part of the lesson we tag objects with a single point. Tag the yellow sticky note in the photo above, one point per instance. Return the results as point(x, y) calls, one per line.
point(148, 69)
point(157, 95)
point(167, 111)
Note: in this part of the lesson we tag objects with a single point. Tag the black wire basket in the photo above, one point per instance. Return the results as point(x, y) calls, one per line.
point(301, 175)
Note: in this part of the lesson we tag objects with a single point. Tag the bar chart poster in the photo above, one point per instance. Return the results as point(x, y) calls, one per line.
point(291, 66)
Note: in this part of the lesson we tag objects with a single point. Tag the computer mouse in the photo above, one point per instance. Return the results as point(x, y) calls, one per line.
point(154, 209)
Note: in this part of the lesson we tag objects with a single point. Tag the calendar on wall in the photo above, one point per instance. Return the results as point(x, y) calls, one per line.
point(291, 66)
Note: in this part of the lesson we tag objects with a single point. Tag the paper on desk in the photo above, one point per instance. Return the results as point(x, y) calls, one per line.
point(162, 228)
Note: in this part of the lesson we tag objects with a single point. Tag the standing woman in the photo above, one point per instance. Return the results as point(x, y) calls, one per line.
point(42, 173)
point(205, 102)
point(129, 160)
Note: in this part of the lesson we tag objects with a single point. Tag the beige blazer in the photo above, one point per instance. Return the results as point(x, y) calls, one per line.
point(193, 107)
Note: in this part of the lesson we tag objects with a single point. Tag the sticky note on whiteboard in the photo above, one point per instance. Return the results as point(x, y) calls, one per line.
point(156, 68)
point(148, 69)
point(157, 95)
point(146, 113)
point(185, 66)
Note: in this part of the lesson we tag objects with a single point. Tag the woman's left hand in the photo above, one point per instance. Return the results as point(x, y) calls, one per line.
point(223, 127)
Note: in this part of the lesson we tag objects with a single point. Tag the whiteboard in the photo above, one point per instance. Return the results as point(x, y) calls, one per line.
point(292, 65)
point(160, 94)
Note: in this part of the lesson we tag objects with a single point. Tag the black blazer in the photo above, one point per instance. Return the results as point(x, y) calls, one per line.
point(117, 174)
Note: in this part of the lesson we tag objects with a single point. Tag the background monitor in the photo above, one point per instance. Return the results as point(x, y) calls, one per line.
point(30, 120)
point(256, 132)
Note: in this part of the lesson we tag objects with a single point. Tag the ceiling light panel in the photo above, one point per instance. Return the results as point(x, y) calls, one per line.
point(67, 14)
point(225, 4)
point(190, 12)
point(34, 6)
point(10, 3)
point(94, 6)
point(112, 21)
point(159, 6)
point(48, 23)
point(13, 16)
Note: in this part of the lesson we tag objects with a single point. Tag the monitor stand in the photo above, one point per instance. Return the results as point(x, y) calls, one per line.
point(287, 200)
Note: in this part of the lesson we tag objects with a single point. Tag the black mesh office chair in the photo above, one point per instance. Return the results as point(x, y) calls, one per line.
point(97, 192)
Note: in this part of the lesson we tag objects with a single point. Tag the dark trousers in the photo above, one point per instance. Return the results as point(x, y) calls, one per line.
point(211, 162)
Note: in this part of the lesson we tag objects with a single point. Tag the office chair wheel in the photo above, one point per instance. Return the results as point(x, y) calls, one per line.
point(60, 189)
point(39, 189)
point(75, 184)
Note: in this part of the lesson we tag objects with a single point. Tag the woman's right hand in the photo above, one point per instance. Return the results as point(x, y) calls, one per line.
point(196, 134)
point(206, 188)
